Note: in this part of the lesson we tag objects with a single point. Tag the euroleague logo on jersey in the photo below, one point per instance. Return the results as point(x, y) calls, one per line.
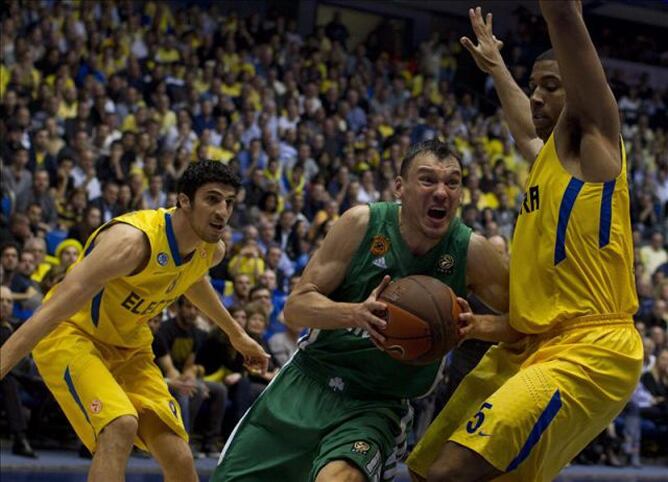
point(446, 264)
point(162, 259)
point(379, 245)
point(96, 406)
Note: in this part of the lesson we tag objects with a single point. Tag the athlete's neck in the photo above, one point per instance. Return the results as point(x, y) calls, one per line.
point(416, 242)
point(186, 238)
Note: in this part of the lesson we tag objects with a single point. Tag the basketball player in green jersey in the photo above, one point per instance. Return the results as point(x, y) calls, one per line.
point(529, 407)
point(339, 408)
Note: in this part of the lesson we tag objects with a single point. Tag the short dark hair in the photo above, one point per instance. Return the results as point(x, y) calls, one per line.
point(10, 244)
point(547, 55)
point(439, 149)
point(199, 173)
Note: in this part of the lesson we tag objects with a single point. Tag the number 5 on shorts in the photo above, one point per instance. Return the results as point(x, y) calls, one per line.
point(478, 419)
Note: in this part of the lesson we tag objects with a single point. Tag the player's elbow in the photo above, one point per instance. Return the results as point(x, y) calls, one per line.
point(294, 306)
point(291, 311)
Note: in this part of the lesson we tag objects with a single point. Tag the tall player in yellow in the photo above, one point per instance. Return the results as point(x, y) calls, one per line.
point(535, 401)
point(93, 345)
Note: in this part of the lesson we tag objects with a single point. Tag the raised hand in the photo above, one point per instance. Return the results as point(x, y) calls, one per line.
point(487, 53)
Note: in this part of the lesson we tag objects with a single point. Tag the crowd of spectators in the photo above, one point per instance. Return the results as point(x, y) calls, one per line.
point(104, 104)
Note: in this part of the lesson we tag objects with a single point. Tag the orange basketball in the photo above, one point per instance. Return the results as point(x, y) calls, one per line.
point(422, 319)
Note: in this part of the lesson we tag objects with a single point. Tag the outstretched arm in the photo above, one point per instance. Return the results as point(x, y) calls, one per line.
point(205, 298)
point(589, 99)
point(515, 103)
point(119, 251)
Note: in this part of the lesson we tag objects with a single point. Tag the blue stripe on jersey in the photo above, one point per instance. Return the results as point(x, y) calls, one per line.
point(73, 392)
point(606, 214)
point(541, 425)
point(567, 202)
point(95, 308)
point(171, 239)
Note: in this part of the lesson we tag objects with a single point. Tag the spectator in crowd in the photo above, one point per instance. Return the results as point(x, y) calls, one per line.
point(178, 338)
point(9, 386)
point(67, 252)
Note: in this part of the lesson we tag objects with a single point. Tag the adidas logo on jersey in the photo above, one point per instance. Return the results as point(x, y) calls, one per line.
point(380, 262)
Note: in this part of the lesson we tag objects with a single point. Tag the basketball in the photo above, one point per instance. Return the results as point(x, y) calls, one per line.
point(422, 318)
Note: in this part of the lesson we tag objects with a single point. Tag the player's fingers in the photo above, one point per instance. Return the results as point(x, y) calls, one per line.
point(375, 335)
point(376, 306)
point(463, 305)
point(468, 45)
point(465, 332)
point(476, 21)
point(383, 284)
point(488, 22)
point(376, 321)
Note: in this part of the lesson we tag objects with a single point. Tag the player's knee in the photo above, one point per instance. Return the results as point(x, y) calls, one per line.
point(183, 461)
point(121, 430)
point(340, 471)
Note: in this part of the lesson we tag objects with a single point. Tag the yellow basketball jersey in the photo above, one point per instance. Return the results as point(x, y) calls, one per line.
point(117, 315)
point(572, 247)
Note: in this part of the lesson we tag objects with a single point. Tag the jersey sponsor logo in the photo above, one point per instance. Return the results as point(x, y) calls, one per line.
point(96, 406)
point(361, 447)
point(139, 306)
point(380, 263)
point(162, 259)
point(380, 245)
point(446, 264)
point(336, 384)
point(531, 200)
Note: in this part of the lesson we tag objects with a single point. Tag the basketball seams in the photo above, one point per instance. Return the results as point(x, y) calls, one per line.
point(411, 311)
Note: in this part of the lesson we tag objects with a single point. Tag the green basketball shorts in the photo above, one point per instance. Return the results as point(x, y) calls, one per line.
point(299, 424)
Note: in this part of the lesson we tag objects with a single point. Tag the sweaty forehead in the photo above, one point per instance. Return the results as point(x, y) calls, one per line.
point(545, 68)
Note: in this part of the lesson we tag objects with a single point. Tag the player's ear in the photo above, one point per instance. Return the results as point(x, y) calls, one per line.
point(183, 201)
point(398, 187)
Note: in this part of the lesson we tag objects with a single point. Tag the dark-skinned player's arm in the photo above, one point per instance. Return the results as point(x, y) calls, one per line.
point(515, 103)
point(119, 251)
point(309, 305)
point(204, 297)
point(590, 104)
point(487, 277)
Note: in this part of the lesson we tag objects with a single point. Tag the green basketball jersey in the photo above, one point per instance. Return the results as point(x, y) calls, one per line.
point(346, 359)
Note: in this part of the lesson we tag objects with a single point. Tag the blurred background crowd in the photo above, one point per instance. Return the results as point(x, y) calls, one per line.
point(104, 104)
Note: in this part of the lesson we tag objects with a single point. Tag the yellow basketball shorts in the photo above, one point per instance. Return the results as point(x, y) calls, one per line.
point(528, 408)
point(95, 383)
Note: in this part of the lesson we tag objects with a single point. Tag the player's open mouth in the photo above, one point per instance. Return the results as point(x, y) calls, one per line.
point(216, 226)
point(437, 214)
